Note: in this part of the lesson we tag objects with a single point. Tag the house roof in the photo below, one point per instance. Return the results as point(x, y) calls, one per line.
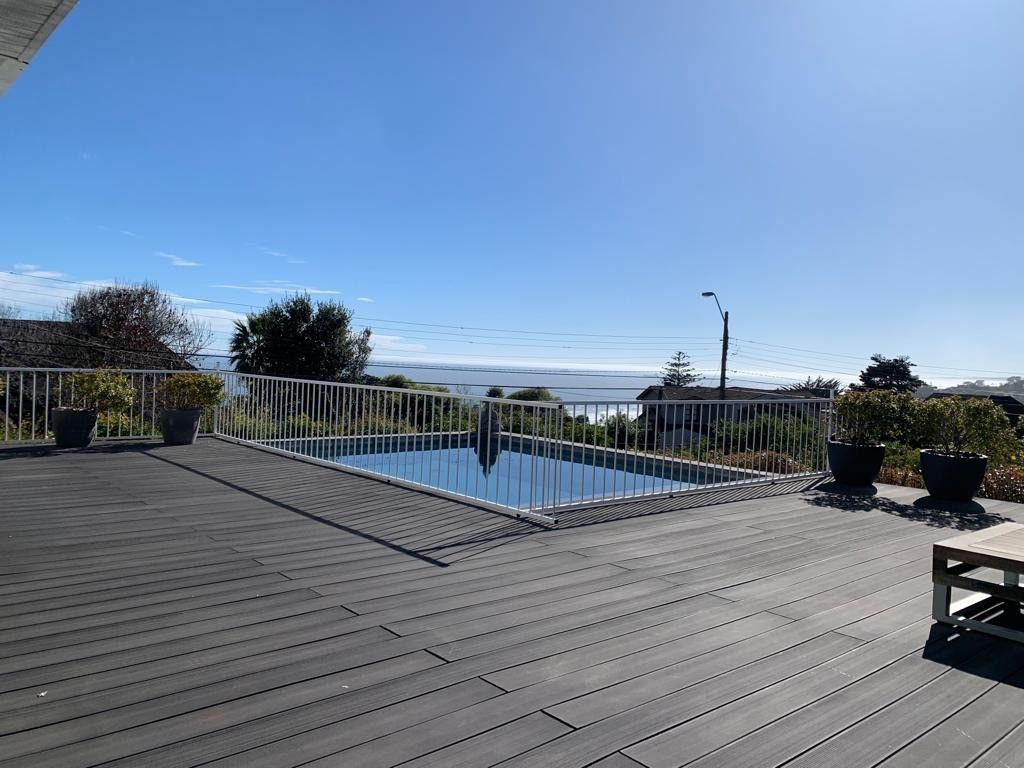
point(1012, 404)
point(58, 344)
point(24, 27)
point(660, 392)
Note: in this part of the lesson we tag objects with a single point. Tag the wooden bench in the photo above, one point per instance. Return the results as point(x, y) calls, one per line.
point(1000, 547)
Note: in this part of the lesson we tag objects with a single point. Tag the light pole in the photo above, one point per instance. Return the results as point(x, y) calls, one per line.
point(725, 338)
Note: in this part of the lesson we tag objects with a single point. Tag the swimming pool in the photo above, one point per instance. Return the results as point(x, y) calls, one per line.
point(514, 479)
point(515, 472)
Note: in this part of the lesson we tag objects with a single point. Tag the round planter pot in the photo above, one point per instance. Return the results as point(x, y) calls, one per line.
point(855, 464)
point(73, 427)
point(180, 427)
point(952, 477)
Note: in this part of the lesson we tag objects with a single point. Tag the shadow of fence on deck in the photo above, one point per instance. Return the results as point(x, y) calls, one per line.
point(428, 528)
point(417, 524)
point(693, 500)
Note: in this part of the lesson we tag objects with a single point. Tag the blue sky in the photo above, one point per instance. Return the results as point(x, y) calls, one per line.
point(846, 175)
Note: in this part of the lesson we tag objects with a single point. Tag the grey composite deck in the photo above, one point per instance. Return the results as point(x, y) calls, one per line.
point(218, 605)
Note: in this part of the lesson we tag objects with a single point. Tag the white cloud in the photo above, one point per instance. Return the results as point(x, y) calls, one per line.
point(365, 299)
point(34, 270)
point(185, 299)
point(178, 261)
point(382, 343)
point(269, 287)
point(126, 232)
point(220, 321)
point(33, 293)
point(278, 254)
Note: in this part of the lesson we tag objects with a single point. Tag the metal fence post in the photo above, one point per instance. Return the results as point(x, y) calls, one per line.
point(831, 425)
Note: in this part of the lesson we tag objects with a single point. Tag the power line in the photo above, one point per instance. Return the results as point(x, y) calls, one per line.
point(100, 346)
point(813, 369)
point(543, 333)
point(385, 320)
point(812, 364)
point(922, 366)
point(530, 372)
point(453, 340)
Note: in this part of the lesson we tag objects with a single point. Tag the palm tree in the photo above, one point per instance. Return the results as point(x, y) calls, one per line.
point(817, 385)
point(247, 353)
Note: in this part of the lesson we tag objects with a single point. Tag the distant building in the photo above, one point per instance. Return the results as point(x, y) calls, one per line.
point(1013, 405)
point(661, 392)
point(58, 344)
point(705, 407)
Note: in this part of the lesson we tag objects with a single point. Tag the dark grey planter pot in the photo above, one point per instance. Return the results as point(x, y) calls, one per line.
point(952, 477)
point(855, 464)
point(73, 427)
point(180, 427)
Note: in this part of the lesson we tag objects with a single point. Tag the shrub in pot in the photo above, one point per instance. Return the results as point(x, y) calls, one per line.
point(184, 396)
point(104, 390)
point(964, 433)
point(863, 420)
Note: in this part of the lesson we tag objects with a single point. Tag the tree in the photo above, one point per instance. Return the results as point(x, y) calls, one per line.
point(678, 372)
point(294, 337)
point(399, 381)
point(533, 394)
point(128, 325)
point(495, 392)
point(818, 386)
point(9, 311)
point(890, 373)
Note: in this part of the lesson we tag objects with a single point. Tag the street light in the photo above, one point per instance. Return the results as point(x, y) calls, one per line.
point(725, 337)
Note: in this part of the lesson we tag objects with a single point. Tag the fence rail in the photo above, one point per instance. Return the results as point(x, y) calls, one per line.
point(29, 396)
point(526, 458)
point(530, 457)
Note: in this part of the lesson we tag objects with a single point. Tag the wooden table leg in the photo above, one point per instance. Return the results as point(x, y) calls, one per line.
point(940, 592)
point(1011, 609)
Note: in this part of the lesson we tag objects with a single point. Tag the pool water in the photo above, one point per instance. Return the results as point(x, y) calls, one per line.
point(518, 480)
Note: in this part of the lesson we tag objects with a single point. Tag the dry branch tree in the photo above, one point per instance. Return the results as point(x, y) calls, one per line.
point(132, 326)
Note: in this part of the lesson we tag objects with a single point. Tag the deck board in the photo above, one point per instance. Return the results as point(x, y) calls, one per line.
point(221, 605)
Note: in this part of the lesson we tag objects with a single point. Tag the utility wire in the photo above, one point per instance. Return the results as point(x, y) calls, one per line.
point(801, 361)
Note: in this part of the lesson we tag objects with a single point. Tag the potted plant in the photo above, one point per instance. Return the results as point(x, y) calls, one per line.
point(104, 389)
point(184, 396)
point(963, 433)
point(862, 422)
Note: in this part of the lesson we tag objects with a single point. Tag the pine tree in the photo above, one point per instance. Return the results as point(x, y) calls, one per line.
point(678, 372)
point(890, 373)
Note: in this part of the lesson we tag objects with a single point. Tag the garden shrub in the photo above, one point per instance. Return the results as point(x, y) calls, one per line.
point(103, 389)
point(118, 424)
point(877, 416)
point(1004, 484)
point(899, 456)
point(191, 390)
point(908, 477)
point(966, 425)
point(795, 436)
point(766, 461)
